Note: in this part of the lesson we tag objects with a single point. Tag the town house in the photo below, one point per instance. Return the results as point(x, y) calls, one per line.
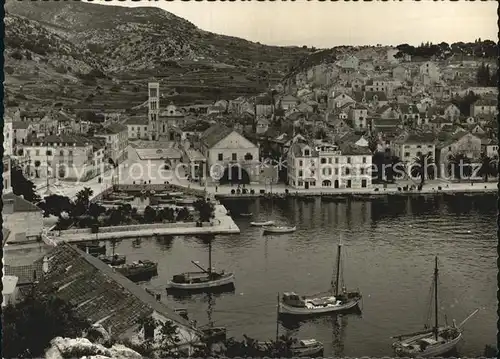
point(486, 106)
point(288, 101)
point(324, 165)
point(69, 157)
point(116, 136)
point(358, 116)
point(137, 128)
point(429, 71)
point(409, 145)
point(461, 142)
point(224, 147)
point(340, 100)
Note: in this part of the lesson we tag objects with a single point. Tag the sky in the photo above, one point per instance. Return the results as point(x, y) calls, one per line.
point(328, 24)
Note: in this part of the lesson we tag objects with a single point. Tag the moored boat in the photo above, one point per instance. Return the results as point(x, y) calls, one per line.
point(93, 249)
point(141, 270)
point(334, 301)
point(215, 334)
point(186, 201)
point(433, 342)
point(307, 348)
point(114, 259)
point(279, 229)
point(205, 279)
point(262, 223)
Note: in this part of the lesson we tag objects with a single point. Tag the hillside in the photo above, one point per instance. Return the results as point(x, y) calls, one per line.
point(136, 44)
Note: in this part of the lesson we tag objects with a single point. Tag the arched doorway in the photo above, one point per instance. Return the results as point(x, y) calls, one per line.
point(327, 183)
point(235, 174)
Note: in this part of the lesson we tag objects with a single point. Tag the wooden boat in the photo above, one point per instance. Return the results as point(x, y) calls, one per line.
point(116, 202)
point(262, 224)
point(166, 200)
point(215, 334)
point(205, 279)
point(301, 347)
point(307, 348)
point(279, 229)
point(121, 197)
point(93, 249)
point(246, 214)
point(138, 271)
point(185, 201)
point(113, 260)
point(330, 302)
point(175, 194)
point(433, 342)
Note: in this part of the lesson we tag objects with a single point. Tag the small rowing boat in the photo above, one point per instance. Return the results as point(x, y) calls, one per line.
point(279, 229)
point(262, 224)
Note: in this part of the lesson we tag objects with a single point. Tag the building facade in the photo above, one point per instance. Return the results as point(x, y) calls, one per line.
point(116, 137)
point(328, 166)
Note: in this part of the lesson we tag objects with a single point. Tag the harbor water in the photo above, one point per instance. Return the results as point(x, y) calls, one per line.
point(389, 246)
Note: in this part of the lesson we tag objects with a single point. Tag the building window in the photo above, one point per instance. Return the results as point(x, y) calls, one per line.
point(330, 160)
point(336, 160)
point(299, 183)
point(419, 146)
point(300, 173)
point(347, 171)
point(37, 152)
point(323, 161)
point(407, 154)
point(220, 157)
point(313, 183)
point(364, 159)
point(234, 157)
point(348, 159)
point(301, 163)
point(361, 171)
point(306, 153)
point(449, 148)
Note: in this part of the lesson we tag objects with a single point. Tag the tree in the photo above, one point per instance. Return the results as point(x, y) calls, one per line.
point(22, 337)
point(37, 166)
point(421, 166)
point(459, 166)
point(150, 214)
point(56, 205)
point(95, 210)
point(21, 186)
point(206, 210)
point(487, 167)
point(82, 201)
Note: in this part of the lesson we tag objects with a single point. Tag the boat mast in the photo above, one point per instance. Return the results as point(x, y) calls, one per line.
point(277, 318)
point(337, 277)
point(436, 298)
point(210, 256)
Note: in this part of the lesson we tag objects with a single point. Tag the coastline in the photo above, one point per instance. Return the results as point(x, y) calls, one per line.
point(455, 188)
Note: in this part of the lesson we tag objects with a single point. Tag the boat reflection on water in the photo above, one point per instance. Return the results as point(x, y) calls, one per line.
point(292, 322)
point(216, 292)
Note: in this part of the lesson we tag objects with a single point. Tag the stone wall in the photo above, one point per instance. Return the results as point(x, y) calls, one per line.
point(133, 227)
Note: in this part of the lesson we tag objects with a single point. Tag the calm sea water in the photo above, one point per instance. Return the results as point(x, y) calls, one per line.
point(389, 249)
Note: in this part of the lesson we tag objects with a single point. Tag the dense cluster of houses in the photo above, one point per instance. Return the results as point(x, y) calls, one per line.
point(351, 108)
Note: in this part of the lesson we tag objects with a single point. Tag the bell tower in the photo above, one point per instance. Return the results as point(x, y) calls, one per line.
point(153, 109)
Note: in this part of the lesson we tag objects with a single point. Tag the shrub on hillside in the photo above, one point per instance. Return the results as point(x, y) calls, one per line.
point(17, 55)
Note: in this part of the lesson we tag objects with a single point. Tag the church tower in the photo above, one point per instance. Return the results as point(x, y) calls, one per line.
point(153, 109)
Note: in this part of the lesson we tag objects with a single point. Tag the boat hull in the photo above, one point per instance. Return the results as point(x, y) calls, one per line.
point(262, 224)
point(268, 230)
point(308, 352)
point(226, 281)
point(430, 352)
point(285, 309)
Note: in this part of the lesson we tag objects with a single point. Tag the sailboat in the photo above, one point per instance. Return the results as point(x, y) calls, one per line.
point(114, 259)
point(201, 280)
point(432, 342)
point(333, 301)
point(299, 347)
